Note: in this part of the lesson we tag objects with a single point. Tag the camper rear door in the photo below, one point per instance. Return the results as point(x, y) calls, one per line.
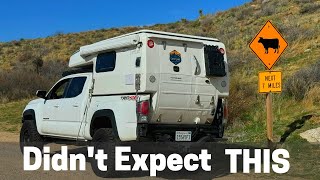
point(175, 83)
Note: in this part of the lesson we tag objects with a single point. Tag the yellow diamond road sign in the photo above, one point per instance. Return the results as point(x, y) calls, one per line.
point(268, 45)
point(270, 81)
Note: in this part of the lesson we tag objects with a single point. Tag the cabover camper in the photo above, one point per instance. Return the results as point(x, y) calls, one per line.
point(143, 85)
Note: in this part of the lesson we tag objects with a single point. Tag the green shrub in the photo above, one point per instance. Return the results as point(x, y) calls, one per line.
point(21, 83)
point(303, 1)
point(299, 83)
point(241, 101)
point(309, 8)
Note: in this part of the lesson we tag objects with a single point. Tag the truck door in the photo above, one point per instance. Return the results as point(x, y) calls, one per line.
point(51, 106)
point(175, 83)
point(64, 107)
point(72, 107)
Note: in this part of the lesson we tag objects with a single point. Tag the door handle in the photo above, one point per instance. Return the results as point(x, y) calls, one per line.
point(56, 106)
point(75, 105)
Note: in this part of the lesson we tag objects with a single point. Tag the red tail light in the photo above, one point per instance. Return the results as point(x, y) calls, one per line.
point(143, 108)
point(150, 43)
point(221, 50)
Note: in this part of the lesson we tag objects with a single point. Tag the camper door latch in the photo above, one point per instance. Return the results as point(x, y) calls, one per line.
point(185, 47)
point(212, 101)
point(198, 100)
point(164, 43)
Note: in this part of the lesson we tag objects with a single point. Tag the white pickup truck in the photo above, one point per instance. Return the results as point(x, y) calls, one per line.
point(147, 84)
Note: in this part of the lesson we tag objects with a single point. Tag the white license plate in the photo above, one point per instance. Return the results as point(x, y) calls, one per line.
point(183, 135)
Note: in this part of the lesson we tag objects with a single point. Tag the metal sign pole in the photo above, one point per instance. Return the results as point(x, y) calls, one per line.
point(269, 119)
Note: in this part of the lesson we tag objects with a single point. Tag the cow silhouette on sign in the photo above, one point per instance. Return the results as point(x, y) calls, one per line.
point(270, 43)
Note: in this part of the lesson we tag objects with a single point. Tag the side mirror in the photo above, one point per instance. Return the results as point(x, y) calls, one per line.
point(41, 94)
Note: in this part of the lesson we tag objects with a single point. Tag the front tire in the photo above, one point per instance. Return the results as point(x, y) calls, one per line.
point(29, 136)
point(104, 139)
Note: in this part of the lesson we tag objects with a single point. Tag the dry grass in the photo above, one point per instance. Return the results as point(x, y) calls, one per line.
point(10, 115)
point(312, 98)
point(302, 81)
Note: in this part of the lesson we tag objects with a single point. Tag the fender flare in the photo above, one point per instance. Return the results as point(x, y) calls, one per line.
point(28, 114)
point(105, 113)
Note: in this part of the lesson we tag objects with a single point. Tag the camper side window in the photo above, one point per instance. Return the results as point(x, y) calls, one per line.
point(106, 62)
point(214, 61)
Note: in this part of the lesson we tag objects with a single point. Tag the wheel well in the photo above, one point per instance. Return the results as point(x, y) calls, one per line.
point(100, 122)
point(28, 115)
point(103, 119)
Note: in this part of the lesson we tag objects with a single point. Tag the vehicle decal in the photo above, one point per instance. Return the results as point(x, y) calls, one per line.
point(128, 98)
point(175, 57)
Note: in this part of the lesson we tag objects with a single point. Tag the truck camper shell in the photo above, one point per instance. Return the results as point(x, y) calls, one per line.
point(184, 75)
point(83, 57)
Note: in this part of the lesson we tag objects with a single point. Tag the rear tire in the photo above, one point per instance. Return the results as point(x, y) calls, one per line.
point(29, 136)
point(218, 120)
point(220, 132)
point(104, 139)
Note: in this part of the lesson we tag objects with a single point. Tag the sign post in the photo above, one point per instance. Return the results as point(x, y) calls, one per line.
point(268, 45)
point(269, 119)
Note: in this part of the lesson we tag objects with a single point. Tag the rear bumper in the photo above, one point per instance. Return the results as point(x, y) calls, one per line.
point(156, 131)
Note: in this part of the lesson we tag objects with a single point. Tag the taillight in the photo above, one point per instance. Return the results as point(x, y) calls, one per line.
point(221, 50)
point(150, 43)
point(143, 111)
point(143, 108)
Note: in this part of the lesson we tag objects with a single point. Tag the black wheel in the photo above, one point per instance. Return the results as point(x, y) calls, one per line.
point(218, 120)
point(104, 139)
point(220, 132)
point(29, 136)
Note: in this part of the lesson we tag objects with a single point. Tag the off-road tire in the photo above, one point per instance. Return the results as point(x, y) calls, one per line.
point(218, 120)
point(29, 136)
point(105, 139)
point(220, 132)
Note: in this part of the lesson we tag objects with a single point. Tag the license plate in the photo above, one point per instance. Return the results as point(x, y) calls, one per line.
point(183, 135)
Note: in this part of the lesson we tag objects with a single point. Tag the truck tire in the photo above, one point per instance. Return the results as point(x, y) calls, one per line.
point(29, 136)
point(220, 132)
point(105, 139)
point(218, 120)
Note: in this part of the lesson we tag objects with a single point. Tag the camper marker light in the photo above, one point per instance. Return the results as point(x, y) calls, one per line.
point(150, 43)
point(221, 50)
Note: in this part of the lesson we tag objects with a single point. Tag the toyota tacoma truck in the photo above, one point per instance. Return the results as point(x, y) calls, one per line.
point(145, 85)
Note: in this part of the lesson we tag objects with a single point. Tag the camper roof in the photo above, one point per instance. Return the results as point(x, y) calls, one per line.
point(168, 34)
point(82, 57)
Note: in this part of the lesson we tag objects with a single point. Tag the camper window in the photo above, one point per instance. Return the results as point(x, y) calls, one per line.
point(106, 62)
point(214, 61)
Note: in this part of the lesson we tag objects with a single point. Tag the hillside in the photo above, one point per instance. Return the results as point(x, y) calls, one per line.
point(28, 65)
point(298, 20)
point(43, 59)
